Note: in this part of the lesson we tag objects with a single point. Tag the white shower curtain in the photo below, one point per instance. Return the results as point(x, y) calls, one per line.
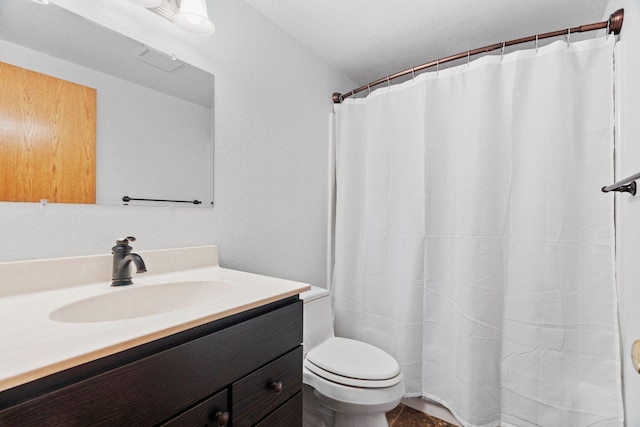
point(473, 242)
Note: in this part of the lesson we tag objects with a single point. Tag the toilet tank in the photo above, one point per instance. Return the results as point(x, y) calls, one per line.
point(318, 318)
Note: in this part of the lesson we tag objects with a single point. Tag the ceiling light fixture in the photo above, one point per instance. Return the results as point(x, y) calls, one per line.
point(189, 15)
point(193, 17)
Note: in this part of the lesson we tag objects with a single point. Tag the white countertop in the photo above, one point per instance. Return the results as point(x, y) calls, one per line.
point(33, 346)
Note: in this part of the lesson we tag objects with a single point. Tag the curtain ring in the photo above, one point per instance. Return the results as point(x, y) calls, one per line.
point(369, 87)
point(568, 36)
point(536, 43)
point(388, 82)
point(437, 66)
point(502, 51)
point(468, 58)
point(413, 74)
point(608, 28)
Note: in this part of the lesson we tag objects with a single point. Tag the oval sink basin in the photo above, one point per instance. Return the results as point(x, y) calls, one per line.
point(133, 302)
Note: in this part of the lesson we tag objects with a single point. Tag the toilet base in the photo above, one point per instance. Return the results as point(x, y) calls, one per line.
point(360, 420)
point(314, 413)
point(321, 411)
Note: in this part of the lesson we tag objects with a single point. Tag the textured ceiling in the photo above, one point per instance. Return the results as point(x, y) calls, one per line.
point(369, 39)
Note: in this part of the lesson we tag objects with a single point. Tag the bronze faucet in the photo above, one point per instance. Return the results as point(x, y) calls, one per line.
point(122, 258)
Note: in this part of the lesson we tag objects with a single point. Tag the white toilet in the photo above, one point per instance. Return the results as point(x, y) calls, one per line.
point(346, 382)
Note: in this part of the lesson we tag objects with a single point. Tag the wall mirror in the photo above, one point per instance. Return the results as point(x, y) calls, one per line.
point(154, 113)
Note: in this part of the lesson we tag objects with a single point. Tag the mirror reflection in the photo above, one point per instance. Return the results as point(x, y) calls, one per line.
point(154, 113)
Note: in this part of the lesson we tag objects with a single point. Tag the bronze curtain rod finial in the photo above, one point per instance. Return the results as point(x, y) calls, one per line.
point(613, 24)
point(615, 21)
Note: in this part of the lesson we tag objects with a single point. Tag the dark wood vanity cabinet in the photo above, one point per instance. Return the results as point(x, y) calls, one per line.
point(242, 370)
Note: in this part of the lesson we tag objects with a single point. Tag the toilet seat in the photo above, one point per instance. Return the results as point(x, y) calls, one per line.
point(353, 363)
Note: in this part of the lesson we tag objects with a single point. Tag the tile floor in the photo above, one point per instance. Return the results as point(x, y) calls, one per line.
point(405, 416)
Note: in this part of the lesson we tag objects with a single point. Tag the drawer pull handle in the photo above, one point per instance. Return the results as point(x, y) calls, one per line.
point(277, 387)
point(222, 418)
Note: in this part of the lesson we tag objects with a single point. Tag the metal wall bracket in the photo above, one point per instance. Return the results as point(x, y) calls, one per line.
point(627, 185)
point(628, 188)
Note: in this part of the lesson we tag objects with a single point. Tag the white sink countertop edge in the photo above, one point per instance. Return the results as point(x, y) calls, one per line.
point(34, 346)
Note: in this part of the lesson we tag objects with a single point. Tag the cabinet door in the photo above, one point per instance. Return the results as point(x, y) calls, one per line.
point(47, 138)
point(266, 389)
point(212, 412)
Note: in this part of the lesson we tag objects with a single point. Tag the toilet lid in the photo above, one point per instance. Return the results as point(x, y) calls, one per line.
point(344, 360)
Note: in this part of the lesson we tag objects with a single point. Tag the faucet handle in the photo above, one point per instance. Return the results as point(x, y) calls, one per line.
point(125, 240)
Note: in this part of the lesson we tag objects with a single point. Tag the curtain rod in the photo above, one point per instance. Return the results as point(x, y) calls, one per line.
point(613, 25)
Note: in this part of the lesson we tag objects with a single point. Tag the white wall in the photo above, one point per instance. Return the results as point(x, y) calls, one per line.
point(627, 206)
point(271, 133)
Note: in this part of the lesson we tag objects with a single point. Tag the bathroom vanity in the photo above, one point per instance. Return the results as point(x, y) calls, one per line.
point(206, 365)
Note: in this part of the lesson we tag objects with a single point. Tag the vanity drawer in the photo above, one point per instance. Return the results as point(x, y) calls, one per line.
point(264, 390)
point(212, 412)
point(288, 415)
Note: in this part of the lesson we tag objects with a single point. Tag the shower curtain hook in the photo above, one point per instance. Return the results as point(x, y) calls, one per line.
point(389, 82)
point(468, 58)
point(608, 28)
point(568, 36)
point(536, 43)
point(413, 74)
point(369, 87)
point(437, 66)
point(502, 51)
